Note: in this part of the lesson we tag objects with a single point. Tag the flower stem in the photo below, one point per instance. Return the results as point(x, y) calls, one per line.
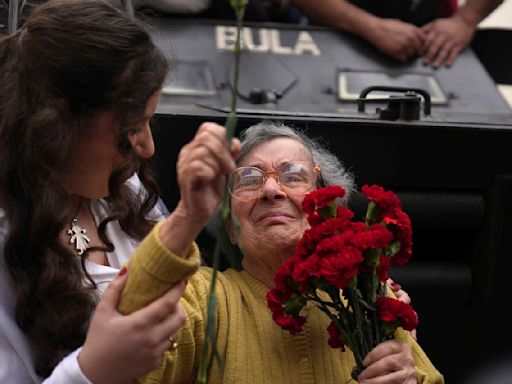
point(231, 123)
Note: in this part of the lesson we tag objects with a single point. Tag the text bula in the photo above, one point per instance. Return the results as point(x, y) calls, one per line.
point(265, 40)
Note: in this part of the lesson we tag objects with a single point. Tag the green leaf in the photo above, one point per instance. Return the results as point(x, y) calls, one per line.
point(328, 212)
point(236, 4)
point(320, 284)
point(372, 213)
point(369, 307)
point(352, 283)
point(393, 249)
point(239, 7)
point(389, 329)
point(372, 257)
point(293, 306)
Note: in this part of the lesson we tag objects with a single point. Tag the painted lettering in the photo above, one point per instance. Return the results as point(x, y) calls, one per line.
point(265, 40)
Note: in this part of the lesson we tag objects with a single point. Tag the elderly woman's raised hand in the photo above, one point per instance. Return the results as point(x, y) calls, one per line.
point(202, 168)
point(203, 165)
point(389, 362)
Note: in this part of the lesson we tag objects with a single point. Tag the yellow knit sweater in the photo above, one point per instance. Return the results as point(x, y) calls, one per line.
point(253, 347)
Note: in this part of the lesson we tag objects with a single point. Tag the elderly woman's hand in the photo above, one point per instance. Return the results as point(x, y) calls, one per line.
point(389, 362)
point(402, 296)
point(202, 168)
point(203, 165)
point(399, 292)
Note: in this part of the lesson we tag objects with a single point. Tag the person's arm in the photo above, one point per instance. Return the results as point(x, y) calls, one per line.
point(395, 38)
point(474, 11)
point(168, 255)
point(121, 348)
point(446, 38)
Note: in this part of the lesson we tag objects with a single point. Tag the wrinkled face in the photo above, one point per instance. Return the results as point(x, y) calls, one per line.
point(274, 220)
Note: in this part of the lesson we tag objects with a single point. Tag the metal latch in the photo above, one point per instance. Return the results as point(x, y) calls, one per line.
point(404, 107)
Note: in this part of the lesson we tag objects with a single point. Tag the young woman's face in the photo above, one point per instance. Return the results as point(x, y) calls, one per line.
point(96, 154)
point(141, 138)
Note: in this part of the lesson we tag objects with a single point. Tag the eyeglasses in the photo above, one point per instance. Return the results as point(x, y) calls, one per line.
point(246, 183)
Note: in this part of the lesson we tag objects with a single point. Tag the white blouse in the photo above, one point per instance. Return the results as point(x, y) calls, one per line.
point(16, 361)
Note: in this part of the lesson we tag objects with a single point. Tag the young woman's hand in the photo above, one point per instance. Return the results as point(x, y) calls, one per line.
point(121, 348)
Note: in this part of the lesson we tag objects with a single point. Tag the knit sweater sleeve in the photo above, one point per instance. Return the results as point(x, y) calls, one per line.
point(153, 270)
point(180, 366)
point(426, 372)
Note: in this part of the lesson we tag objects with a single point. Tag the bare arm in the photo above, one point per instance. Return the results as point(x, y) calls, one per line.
point(446, 38)
point(474, 11)
point(395, 38)
point(339, 14)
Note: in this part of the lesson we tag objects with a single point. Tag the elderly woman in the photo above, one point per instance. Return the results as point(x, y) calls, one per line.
point(267, 208)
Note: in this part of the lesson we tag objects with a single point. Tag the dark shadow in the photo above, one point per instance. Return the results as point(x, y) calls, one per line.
point(494, 49)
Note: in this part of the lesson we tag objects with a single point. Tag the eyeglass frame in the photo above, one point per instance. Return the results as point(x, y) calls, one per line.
point(275, 174)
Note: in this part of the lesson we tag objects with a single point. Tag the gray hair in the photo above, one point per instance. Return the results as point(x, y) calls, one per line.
point(331, 168)
point(333, 171)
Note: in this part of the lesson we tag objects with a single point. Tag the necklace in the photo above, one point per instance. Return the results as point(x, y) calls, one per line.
point(77, 234)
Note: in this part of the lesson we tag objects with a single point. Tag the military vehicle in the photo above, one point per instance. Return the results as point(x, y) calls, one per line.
point(441, 139)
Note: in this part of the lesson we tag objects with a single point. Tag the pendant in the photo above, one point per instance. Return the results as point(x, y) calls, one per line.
point(78, 237)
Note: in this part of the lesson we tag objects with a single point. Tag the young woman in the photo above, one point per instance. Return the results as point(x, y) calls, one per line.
point(79, 83)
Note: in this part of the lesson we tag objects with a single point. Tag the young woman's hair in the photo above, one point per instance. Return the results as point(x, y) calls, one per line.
point(70, 61)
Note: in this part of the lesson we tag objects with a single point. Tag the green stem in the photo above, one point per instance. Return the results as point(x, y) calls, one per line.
point(345, 322)
point(210, 327)
point(234, 90)
point(202, 376)
point(364, 333)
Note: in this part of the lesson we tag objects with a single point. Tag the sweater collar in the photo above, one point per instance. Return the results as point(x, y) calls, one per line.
point(256, 285)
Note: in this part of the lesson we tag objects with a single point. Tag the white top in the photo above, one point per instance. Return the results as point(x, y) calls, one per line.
point(16, 365)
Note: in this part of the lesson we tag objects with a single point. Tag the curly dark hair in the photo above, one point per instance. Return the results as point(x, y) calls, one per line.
point(70, 61)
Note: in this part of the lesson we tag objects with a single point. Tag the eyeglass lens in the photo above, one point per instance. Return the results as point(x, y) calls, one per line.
point(247, 182)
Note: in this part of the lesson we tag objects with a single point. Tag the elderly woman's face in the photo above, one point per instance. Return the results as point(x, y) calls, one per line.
point(274, 219)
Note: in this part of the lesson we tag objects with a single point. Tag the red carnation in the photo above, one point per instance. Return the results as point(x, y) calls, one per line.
point(283, 274)
point(335, 340)
point(383, 268)
point(392, 311)
point(377, 236)
point(386, 200)
point(313, 236)
point(337, 268)
point(305, 269)
point(289, 323)
point(401, 228)
point(321, 198)
point(342, 266)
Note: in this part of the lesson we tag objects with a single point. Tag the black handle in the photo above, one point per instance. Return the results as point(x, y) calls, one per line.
point(362, 100)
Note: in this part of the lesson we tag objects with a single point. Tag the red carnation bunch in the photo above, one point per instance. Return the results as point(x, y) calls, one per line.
point(342, 266)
